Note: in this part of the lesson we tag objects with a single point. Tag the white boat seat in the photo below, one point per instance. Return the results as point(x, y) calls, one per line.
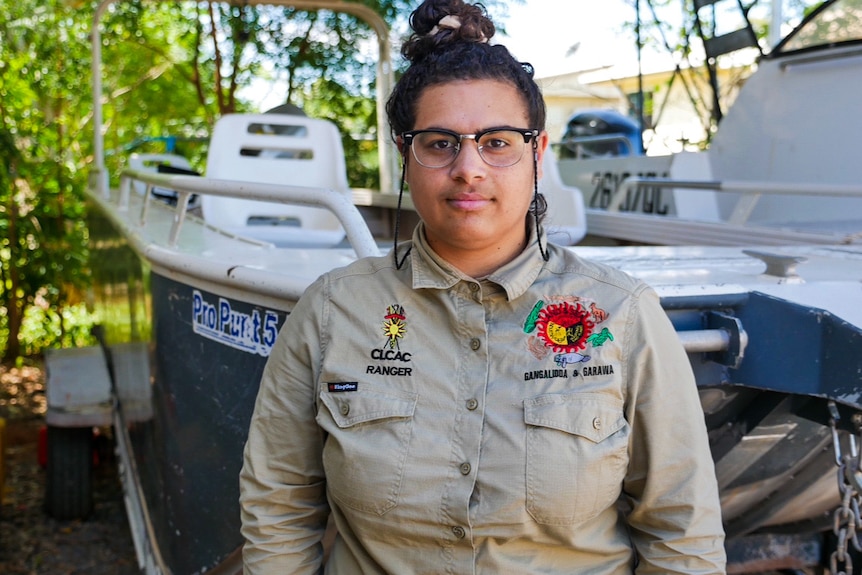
point(276, 149)
point(566, 219)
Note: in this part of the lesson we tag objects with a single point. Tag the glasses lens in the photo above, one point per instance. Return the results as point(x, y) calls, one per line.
point(499, 148)
point(434, 149)
point(502, 148)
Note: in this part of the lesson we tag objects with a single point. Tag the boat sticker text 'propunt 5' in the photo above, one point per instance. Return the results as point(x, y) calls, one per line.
point(221, 323)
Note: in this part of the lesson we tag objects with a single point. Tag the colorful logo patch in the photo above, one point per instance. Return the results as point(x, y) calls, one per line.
point(564, 327)
point(394, 325)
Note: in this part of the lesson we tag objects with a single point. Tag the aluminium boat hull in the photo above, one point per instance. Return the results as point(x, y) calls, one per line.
point(790, 344)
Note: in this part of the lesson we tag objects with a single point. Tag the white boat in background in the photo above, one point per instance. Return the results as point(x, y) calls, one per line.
point(784, 167)
point(191, 307)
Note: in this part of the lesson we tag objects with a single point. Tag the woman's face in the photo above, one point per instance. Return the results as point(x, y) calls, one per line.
point(469, 207)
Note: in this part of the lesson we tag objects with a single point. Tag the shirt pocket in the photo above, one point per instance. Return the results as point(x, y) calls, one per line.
point(369, 433)
point(577, 455)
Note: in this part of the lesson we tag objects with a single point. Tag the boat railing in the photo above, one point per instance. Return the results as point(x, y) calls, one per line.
point(824, 56)
point(358, 234)
point(716, 340)
point(751, 191)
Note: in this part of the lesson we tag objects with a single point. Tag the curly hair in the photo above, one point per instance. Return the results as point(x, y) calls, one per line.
point(440, 54)
point(450, 42)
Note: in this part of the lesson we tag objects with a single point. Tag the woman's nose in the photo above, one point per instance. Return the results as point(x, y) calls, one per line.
point(468, 163)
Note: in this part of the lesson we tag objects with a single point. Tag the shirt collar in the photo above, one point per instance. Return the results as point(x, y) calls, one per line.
point(515, 277)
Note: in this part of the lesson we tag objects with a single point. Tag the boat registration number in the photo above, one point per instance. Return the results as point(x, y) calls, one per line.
point(644, 199)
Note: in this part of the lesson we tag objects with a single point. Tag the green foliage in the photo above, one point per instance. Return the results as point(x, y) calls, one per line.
point(152, 83)
point(42, 130)
point(45, 327)
point(169, 69)
point(356, 118)
point(174, 68)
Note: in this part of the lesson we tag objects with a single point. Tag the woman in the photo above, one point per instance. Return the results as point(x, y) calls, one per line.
point(478, 401)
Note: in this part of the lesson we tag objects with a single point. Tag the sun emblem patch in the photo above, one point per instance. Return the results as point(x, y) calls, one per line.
point(394, 325)
point(561, 328)
point(564, 327)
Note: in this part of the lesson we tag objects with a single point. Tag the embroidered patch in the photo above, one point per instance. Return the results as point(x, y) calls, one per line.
point(564, 359)
point(599, 339)
point(564, 327)
point(343, 386)
point(394, 325)
point(395, 329)
point(599, 314)
point(530, 323)
point(537, 347)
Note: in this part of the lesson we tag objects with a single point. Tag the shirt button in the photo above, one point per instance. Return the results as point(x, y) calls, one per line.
point(345, 408)
point(465, 468)
point(597, 423)
point(472, 404)
point(459, 532)
point(474, 288)
point(475, 343)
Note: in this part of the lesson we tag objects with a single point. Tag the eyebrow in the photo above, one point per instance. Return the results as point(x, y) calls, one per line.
point(488, 129)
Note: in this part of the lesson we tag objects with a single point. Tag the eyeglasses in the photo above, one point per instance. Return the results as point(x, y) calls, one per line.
point(498, 147)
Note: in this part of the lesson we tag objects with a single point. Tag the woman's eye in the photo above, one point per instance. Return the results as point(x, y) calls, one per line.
point(496, 143)
point(441, 144)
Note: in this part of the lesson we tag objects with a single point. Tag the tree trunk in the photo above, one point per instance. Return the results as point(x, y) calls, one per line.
point(14, 308)
point(14, 315)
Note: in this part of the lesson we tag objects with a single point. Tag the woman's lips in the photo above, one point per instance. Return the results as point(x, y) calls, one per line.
point(468, 202)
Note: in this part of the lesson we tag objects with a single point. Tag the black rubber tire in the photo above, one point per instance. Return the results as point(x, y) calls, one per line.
point(69, 489)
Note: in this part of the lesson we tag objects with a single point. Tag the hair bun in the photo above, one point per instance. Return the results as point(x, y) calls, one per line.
point(436, 23)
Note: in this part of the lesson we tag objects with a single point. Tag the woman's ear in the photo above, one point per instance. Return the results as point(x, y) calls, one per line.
point(540, 149)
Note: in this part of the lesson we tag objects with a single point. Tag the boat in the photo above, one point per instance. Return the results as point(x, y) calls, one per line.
point(782, 167)
point(190, 310)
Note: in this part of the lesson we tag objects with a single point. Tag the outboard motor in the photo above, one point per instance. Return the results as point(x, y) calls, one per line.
point(600, 133)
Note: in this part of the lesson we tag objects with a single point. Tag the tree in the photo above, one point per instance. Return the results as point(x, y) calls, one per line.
point(219, 48)
point(170, 69)
point(43, 249)
point(678, 28)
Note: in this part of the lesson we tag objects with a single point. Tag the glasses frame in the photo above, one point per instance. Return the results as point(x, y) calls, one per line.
point(528, 134)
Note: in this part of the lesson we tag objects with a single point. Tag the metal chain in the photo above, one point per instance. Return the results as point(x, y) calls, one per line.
point(847, 517)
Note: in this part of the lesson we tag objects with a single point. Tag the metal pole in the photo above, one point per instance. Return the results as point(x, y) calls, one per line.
point(775, 23)
point(640, 97)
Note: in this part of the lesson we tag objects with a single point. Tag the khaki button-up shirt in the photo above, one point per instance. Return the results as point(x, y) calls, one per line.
point(542, 420)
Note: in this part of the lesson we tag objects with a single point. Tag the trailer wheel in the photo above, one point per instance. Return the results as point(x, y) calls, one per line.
point(68, 493)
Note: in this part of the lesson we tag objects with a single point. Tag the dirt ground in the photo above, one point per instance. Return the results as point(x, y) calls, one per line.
point(31, 542)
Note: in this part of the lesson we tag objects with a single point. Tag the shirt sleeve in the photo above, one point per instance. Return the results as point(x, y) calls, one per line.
point(282, 486)
point(675, 515)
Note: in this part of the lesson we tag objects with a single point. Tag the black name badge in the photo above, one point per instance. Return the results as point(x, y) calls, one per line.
point(343, 386)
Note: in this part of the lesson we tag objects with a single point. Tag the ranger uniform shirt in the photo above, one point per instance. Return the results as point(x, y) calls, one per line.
point(544, 419)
